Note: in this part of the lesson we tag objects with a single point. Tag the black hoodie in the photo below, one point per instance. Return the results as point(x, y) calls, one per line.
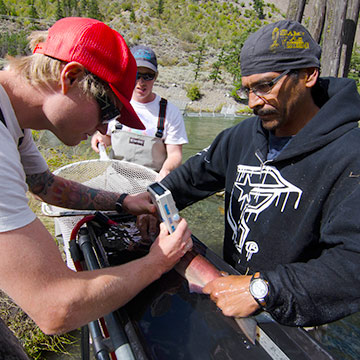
point(296, 218)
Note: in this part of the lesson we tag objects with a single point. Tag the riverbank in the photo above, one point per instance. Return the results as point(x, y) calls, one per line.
point(173, 81)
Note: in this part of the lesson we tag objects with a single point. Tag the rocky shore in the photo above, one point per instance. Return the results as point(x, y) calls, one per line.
point(174, 80)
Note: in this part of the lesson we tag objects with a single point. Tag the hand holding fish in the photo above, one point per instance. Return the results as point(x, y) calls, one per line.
point(232, 295)
point(148, 226)
point(168, 249)
point(199, 272)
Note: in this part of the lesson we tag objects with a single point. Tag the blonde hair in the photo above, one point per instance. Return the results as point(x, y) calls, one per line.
point(43, 70)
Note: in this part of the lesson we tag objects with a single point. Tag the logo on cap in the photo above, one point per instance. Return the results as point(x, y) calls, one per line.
point(289, 39)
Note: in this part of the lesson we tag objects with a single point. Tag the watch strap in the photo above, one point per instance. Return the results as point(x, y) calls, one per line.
point(260, 301)
point(119, 203)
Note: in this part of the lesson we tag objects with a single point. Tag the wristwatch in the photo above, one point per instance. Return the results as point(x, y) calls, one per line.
point(259, 289)
point(119, 203)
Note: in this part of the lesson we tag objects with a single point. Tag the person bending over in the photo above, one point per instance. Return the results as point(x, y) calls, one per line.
point(81, 74)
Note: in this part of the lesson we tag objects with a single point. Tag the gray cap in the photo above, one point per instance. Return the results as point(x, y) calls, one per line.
point(145, 57)
point(279, 46)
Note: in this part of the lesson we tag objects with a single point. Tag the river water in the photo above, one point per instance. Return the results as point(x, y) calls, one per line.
point(341, 338)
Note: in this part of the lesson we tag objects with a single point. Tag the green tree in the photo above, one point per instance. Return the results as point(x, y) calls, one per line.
point(93, 10)
point(13, 44)
point(232, 57)
point(83, 7)
point(216, 72)
point(43, 6)
point(3, 8)
point(160, 8)
point(259, 8)
point(66, 6)
point(127, 6)
point(75, 8)
point(132, 15)
point(59, 10)
point(199, 58)
point(33, 12)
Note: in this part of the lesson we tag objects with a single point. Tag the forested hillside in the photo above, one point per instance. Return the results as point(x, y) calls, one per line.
point(202, 34)
point(181, 31)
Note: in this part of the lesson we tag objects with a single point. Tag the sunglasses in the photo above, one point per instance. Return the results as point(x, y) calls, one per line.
point(145, 76)
point(108, 110)
point(262, 89)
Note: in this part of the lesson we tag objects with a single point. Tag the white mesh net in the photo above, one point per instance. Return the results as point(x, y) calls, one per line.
point(111, 175)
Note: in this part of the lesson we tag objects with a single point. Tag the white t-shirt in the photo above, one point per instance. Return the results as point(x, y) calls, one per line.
point(15, 162)
point(174, 129)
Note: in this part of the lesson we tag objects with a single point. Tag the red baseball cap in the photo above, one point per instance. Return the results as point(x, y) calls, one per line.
point(102, 51)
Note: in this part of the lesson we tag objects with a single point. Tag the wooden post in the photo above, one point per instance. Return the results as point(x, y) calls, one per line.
point(350, 26)
point(295, 10)
point(333, 35)
point(317, 19)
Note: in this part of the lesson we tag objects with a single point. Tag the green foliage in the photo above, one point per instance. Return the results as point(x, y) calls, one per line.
point(193, 92)
point(32, 12)
point(59, 10)
point(354, 70)
point(3, 8)
point(188, 20)
point(93, 10)
point(160, 8)
point(83, 6)
point(232, 56)
point(13, 43)
point(199, 58)
point(244, 111)
point(259, 8)
point(127, 6)
point(132, 16)
point(233, 92)
point(219, 25)
point(215, 75)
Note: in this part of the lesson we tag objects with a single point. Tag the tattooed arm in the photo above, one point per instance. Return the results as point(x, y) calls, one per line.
point(58, 191)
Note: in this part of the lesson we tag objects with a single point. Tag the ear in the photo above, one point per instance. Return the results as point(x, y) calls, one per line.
point(312, 75)
point(70, 73)
point(156, 76)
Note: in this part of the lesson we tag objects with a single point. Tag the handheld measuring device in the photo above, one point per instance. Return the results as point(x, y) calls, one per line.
point(165, 204)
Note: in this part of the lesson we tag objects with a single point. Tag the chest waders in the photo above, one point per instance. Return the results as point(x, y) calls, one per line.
point(149, 151)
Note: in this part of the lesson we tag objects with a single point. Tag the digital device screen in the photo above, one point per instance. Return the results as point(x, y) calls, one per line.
point(157, 188)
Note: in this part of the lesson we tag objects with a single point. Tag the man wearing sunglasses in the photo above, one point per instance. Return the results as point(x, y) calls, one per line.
point(81, 74)
point(291, 178)
point(159, 146)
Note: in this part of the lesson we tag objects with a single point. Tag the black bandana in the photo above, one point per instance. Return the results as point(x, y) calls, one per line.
point(279, 46)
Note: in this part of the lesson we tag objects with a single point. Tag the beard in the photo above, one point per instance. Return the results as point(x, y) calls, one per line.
point(270, 119)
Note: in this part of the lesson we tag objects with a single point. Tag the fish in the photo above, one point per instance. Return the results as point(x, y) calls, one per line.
point(198, 271)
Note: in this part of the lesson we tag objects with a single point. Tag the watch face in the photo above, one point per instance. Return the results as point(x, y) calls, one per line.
point(259, 288)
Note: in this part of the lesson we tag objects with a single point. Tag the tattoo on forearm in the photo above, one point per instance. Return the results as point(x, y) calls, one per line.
point(40, 183)
point(69, 194)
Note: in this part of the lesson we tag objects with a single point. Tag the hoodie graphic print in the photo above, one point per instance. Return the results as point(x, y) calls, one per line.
point(254, 190)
